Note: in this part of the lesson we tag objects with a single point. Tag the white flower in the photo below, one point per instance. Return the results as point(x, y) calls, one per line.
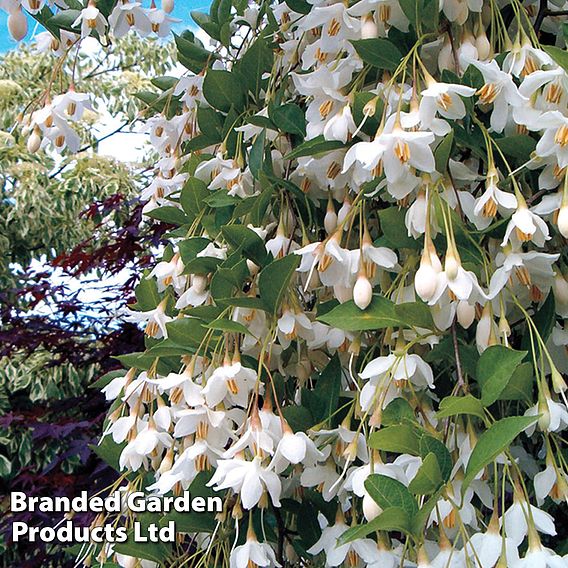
point(293, 449)
point(230, 380)
point(515, 519)
point(541, 557)
point(528, 227)
point(126, 16)
point(499, 90)
point(155, 319)
point(91, 20)
point(253, 553)
point(247, 478)
point(443, 99)
point(364, 548)
point(554, 141)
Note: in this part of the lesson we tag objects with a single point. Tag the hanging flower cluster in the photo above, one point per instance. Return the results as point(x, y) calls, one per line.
point(357, 335)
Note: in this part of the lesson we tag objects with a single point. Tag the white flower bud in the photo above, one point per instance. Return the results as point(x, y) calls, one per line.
point(345, 208)
point(544, 420)
point(483, 46)
point(330, 219)
point(446, 57)
point(369, 28)
point(425, 281)
point(563, 221)
point(34, 142)
point(252, 267)
point(168, 6)
point(362, 292)
point(560, 288)
point(18, 24)
point(370, 508)
point(465, 314)
point(451, 266)
point(199, 283)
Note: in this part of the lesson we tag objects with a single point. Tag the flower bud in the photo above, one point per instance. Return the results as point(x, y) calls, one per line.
point(369, 28)
point(560, 288)
point(563, 220)
point(465, 314)
point(168, 6)
point(426, 279)
point(252, 267)
point(199, 283)
point(451, 265)
point(446, 57)
point(362, 291)
point(544, 420)
point(558, 383)
point(34, 142)
point(482, 45)
point(330, 219)
point(18, 24)
point(370, 508)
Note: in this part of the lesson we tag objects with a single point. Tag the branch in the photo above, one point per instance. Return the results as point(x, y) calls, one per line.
point(542, 10)
point(461, 381)
point(87, 146)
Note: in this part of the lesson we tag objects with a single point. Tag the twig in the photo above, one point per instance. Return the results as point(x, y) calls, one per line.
point(461, 381)
point(542, 9)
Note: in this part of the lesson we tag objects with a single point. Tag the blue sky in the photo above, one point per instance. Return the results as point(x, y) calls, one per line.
point(182, 9)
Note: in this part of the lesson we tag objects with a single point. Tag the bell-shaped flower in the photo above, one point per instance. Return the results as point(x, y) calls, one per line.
point(247, 478)
point(363, 548)
point(232, 381)
point(527, 226)
point(516, 524)
point(90, 19)
point(252, 553)
point(499, 90)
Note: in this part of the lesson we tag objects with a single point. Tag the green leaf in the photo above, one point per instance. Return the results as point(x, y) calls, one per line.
point(108, 451)
point(169, 214)
point(147, 295)
point(5, 466)
point(313, 147)
point(223, 90)
point(191, 522)
point(186, 332)
point(274, 279)
point(191, 50)
point(257, 60)
point(256, 156)
point(518, 146)
point(299, 418)
point(394, 229)
point(431, 445)
point(443, 151)
point(391, 519)
point(456, 405)
point(192, 197)
point(328, 386)
point(495, 368)
point(380, 313)
point(245, 239)
point(400, 438)
point(560, 56)
point(388, 492)
point(398, 411)
point(289, 118)
point(103, 381)
point(493, 442)
point(428, 478)
point(228, 325)
point(378, 52)
point(520, 385)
